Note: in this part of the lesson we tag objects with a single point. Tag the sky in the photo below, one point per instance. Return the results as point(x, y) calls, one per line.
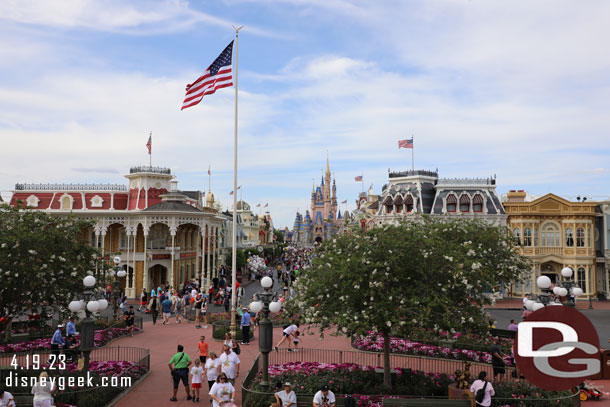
point(516, 89)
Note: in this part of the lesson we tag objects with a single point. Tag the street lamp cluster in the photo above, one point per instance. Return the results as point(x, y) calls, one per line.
point(267, 302)
point(564, 288)
point(90, 304)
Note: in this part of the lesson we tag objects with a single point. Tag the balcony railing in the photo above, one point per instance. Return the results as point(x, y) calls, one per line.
point(70, 187)
point(410, 173)
point(148, 168)
point(466, 181)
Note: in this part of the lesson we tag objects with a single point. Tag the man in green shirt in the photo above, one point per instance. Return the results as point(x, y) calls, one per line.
point(180, 371)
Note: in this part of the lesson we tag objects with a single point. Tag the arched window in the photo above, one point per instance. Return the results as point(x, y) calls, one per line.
point(580, 237)
point(517, 234)
point(464, 203)
point(581, 278)
point(398, 204)
point(409, 203)
point(477, 203)
point(527, 237)
point(550, 235)
point(451, 203)
point(66, 202)
point(569, 237)
point(389, 203)
point(535, 236)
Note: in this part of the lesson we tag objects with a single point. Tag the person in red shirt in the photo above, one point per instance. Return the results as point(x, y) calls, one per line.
point(202, 347)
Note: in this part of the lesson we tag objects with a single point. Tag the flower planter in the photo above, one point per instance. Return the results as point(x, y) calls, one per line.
point(220, 328)
point(446, 343)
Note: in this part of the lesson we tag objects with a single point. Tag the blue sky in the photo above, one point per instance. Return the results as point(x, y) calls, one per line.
point(518, 89)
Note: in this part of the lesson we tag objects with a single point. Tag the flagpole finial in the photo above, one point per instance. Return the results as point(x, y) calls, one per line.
point(237, 28)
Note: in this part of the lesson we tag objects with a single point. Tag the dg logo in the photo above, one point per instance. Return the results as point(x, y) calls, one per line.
point(557, 348)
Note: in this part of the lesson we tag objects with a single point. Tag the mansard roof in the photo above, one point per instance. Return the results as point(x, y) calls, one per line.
point(172, 206)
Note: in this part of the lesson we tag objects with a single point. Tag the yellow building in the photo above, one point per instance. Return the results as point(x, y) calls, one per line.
point(554, 233)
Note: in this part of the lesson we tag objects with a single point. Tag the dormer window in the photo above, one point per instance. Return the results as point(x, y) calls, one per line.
point(66, 202)
point(464, 203)
point(97, 201)
point(477, 203)
point(451, 203)
point(32, 201)
point(409, 204)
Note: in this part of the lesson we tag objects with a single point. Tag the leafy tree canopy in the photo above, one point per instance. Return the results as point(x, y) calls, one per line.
point(43, 260)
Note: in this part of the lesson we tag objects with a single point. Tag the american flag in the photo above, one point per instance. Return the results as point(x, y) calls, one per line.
point(266, 205)
point(358, 178)
point(231, 193)
point(149, 144)
point(209, 172)
point(258, 206)
point(344, 202)
point(218, 75)
point(407, 143)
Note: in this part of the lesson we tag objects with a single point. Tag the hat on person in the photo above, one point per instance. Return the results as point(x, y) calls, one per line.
point(287, 384)
point(324, 388)
point(60, 325)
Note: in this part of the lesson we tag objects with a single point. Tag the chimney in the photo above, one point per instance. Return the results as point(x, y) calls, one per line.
point(516, 196)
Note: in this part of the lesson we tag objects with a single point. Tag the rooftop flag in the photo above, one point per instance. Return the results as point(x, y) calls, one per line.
point(344, 202)
point(407, 143)
point(266, 205)
point(358, 178)
point(217, 76)
point(149, 144)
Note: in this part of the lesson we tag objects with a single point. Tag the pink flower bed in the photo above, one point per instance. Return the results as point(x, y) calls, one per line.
point(374, 343)
point(101, 337)
point(311, 368)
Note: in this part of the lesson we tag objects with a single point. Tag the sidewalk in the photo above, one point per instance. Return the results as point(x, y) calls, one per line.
point(516, 303)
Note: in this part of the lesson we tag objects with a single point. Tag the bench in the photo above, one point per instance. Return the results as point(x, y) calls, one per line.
point(23, 400)
point(426, 403)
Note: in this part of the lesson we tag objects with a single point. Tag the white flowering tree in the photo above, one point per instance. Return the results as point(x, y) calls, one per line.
point(397, 279)
point(43, 260)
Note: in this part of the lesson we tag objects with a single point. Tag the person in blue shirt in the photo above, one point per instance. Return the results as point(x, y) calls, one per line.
point(166, 306)
point(57, 340)
point(70, 327)
point(245, 326)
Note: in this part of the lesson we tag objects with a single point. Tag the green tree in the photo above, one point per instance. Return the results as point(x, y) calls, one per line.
point(427, 274)
point(279, 236)
point(43, 260)
point(240, 258)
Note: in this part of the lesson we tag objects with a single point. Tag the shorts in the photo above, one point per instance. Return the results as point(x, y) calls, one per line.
point(202, 359)
point(197, 312)
point(181, 374)
point(167, 314)
point(143, 302)
point(196, 385)
point(286, 335)
point(498, 369)
point(296, 343)
point(129, 323)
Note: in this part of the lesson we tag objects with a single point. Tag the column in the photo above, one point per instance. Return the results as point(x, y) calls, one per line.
point(145, 271)
point(214, 247)
point(134, 234)
point(210, 273)
point(172, 230)
point(197, 261)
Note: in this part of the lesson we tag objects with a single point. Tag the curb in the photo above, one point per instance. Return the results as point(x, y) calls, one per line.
point(125, 392)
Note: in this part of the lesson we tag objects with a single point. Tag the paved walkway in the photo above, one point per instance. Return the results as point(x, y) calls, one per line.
point(580, 304)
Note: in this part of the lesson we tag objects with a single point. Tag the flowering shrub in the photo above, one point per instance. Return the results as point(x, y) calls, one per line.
point(374, 343)
point(101, 337)
point(520, 392)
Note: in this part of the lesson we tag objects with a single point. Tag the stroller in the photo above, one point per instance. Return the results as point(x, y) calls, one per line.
point(587, 392)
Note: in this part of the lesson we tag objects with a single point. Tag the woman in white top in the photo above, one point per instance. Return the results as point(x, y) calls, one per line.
point(229, 341)
point(222, 392)
point(42, 391)
point(211, 369)
point(479, 384)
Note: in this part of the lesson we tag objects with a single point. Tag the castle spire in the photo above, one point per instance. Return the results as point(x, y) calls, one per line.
point(327, 164)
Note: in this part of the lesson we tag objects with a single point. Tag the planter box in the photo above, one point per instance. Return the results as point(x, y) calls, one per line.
point(446, 343)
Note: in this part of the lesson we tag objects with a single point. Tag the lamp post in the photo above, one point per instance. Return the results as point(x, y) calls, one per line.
point(266, 302)
point(116, 285)
point(562, 290)
point(89, 304)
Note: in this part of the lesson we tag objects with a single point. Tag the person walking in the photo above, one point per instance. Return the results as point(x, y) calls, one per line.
point(482, 390)
point(178, 366)
point(198, 304)
point(42, 391)
point(166, 306)
point(202, 347)
point(228, 363)
point(287, 334)
point(153, 306)
point(57, 340)
point(229, 341)
point(211, 369)
point(129, 319)
point(179, 307)
point(497, 359)
point(222, 392)
point(143, 300)
point(245, 326)
point(196, 379)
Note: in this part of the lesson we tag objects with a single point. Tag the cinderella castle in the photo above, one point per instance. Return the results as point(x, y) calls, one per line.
point(324, 219)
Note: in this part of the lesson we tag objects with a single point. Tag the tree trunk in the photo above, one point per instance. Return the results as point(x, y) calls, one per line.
point(387, 378)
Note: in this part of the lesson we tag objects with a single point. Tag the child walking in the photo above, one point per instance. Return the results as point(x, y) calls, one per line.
point(196, 379)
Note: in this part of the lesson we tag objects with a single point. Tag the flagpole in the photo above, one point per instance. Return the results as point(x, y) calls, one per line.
point(362, 181)
point(209, 178)
point(150, 152)
point(234, 248)
point(412, 153)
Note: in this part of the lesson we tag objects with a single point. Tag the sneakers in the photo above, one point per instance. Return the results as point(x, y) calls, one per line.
point(173, 399)
point(189, 397)
point(197, 399)
point(276, 348)
point(289, 350)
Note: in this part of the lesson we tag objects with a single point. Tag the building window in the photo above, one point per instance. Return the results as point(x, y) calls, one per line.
point(580, 237)
point(97, 201)
point(535, 236)
point(409, 204)
point(464, 203)
point(32, 201)
point(398, 208)
point(581, 277)
point(569, 238)
point(451, 203)
point(527, 237)
point(550, 235)
point(66, 202)
point(477, 203)
point(517, 234)
point(123, 240)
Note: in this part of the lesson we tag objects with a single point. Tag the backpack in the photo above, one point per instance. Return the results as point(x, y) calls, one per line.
point(481, 393)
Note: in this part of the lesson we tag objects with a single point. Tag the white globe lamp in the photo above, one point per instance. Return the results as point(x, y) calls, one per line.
point(566, 272)
point(529, 304)
point(256, 306)
point(577, 291)
point(93, 306)
point(275, 306)
point(74, 306)
point(103, 304)
point(562, 292)
point(266, 282)
point(543, 282)
point(117, 260)
point(537, 306)
point(122, 273)
point(89, 281)
point(556, 290)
